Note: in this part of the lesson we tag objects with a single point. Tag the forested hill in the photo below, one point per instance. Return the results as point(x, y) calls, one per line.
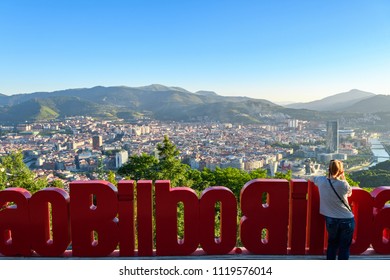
point(376, 176)
point(154, 101)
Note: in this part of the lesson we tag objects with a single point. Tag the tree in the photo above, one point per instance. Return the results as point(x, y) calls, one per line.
point(167, 150)
point(15, 173)
point(281, 175)
point(111, 177)
point(350, 181)
point(169, 166)
point(258, 174)
point(3, 177)
point(57, 184)
point(140, 167)
point(194, 179)
point(100, 169)
point(232, 178)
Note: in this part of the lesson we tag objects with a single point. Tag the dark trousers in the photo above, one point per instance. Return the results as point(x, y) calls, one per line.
point(340, 233)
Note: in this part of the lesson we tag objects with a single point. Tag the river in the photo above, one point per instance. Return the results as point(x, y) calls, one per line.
point(379, 151)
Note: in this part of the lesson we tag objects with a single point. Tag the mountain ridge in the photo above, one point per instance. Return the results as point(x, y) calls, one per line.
point(157, 101)
point(173, 103)
point(334, 102)
point(376, 104)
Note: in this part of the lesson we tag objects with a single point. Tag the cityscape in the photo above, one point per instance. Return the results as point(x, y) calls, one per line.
point(82, 148)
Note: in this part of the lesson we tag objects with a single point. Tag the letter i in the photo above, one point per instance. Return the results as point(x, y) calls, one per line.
point(144, 218)
point(126, 218)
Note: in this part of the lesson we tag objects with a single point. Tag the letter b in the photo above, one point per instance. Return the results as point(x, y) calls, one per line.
point(88, 219)
point(263, 227)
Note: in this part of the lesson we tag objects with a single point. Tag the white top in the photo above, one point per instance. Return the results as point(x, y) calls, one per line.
point(330, 204)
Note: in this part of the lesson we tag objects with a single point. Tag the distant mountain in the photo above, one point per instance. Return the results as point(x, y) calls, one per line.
point(48, 108)
point(335, 102)
point(206, 93)
point(154, 101)
point(376, 104)
point(158, 87)
point(3, 98)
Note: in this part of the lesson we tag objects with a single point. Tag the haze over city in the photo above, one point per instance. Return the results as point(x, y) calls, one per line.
point(275, 50)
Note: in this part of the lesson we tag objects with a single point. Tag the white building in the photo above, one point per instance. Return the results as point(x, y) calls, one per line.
point(121, 158)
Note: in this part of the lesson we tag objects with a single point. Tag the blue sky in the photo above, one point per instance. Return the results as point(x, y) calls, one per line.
point(278, 50)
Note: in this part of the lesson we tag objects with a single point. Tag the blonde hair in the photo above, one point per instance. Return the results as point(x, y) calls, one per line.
point(335, 168)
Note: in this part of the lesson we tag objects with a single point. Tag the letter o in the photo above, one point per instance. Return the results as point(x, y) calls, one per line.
point(228, 238)
point(41, 242)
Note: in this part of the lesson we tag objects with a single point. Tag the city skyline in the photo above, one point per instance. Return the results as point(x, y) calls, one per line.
point(279, 50)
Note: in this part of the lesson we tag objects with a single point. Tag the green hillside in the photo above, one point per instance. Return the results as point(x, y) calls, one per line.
point(376, 176)
point(155, 101)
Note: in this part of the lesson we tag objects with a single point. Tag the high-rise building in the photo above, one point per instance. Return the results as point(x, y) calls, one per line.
point(96, 142)
point(332, 136)
point(121, 158)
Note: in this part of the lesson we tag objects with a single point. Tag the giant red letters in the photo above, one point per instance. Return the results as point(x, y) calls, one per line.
point(14, 222)
point(167, 200)
point(228, 220)
point(297, 221)
point(97, 218)
point(93, 211)
point(126, 218)
point(315, 222)
point(380, 231)
point(263, 228)
point(362, 206)
point(145, 218)
point(40, 222)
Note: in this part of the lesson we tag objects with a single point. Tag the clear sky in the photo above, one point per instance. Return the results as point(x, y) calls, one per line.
point(280, 50)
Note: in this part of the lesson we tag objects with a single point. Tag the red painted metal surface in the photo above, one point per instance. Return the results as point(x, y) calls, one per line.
point(93, 211)
point(362, 203)
point(271, 216)
point(226, 242)
point(126, 218)
point(381, 227)
point(315, 235)
point(42, 242)
point(167, 199)
point(297, 221)
point(15, 222)
point(145, 218)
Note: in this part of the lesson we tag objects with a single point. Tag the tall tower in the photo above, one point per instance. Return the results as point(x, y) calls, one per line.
point(332, 136)
point(96, 142)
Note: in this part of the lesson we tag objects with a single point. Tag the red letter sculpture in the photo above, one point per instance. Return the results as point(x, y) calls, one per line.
point(88, 219)
point(40, 222)
point(126, 218)
point(298, 216)
point(263, 227)
point(316, 222)
point(380, 231)
point(228, 219)
point(14, 222)
point(145, 218)
point(167, 198)
point(362, 206)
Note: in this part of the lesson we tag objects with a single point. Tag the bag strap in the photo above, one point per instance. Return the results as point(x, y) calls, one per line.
point(342, 200)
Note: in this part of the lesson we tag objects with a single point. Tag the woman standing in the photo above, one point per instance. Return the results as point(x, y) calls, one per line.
point(340, 223)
